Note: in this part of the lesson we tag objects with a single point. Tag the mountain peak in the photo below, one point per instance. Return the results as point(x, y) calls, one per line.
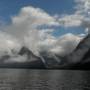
point(24, 50)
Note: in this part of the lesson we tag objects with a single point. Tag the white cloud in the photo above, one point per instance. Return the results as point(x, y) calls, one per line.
point(83, 8)
point(81, 17)
point(24, 27)
point(66, 44)
point(7, 43)
point(73, 20)
point(46, 42)
point(36, 39)
point(34, 16)
point(30, 18)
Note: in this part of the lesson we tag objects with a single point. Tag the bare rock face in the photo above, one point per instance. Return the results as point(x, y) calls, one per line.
point(23, 59)
point(81, 51)
point(30, 56)
point(25, 50)
point(80, 57)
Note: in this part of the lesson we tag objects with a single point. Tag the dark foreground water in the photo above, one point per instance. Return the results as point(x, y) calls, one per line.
point(26, 79)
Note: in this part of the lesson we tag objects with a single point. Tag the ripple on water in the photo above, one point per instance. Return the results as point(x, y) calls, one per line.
point(23, 79)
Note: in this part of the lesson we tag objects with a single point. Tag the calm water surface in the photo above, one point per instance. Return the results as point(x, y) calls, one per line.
point(25, 79)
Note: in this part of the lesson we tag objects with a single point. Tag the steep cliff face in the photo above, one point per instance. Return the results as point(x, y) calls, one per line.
point(86, 57)
point(80, 57)
point(81, 51)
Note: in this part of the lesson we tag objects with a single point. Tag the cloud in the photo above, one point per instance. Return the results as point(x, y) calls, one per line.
point(19, 59)
point(30, 18)
point(48, 43)
point(8, 43)
point(25, 25)
point(73, 20)
point(42, 40)
point(83, 6)
point(35, 39)
point(81, 16)
point(34, 16)
point(66, 44)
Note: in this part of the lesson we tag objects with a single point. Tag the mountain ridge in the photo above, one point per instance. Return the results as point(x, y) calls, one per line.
point(78, 59)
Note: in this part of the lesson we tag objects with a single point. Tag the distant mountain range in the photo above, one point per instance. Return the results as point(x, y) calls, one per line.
point(78, 59)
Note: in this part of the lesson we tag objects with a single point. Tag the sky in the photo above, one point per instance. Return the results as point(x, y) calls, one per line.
point(55, 26)
point(9, 8)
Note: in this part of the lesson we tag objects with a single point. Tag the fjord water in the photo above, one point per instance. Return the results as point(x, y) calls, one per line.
point(27, 79)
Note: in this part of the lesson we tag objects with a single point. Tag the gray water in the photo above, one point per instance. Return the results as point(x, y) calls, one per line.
point(26, 79)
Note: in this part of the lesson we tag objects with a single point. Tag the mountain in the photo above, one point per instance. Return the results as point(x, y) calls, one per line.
point(80, 57)
point(25, 50)
point(50, 60)
point(31, 61)
point(30, 56)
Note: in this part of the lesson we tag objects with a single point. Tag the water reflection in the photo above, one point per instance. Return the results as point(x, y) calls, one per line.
point(16, 79)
